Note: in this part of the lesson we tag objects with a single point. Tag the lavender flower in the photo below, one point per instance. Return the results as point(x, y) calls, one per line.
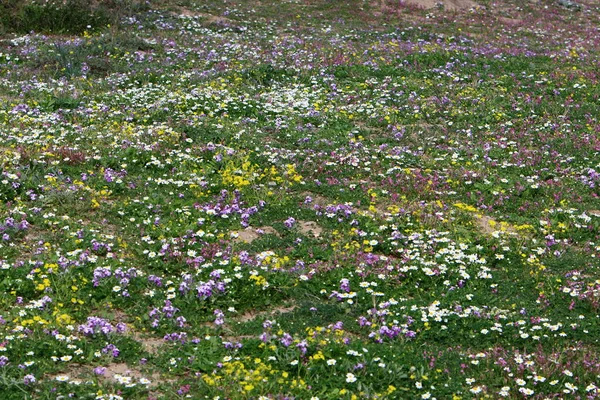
point(220, 317)
point(289, 223)
point(96, 325)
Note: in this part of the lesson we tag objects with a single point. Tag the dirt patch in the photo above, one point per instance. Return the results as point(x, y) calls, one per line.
point(451, 5)
point(73, 371)
point(208, 18)
point(252, 315)
point(510, 21)
point(119, 316)
point(381, 210)
point(118, 372)
point(121, 369)
point(238, 338)
point(316, 199)
point(149, 344)
point(113, 372)
point(310, 228)
point(488, 225)
point(250, 234)
point(33, 243)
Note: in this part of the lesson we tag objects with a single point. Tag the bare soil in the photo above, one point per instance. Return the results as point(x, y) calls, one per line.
point(250, 234)
point(451, 5)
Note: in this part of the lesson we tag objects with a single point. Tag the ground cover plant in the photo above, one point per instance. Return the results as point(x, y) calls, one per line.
point(301, 200)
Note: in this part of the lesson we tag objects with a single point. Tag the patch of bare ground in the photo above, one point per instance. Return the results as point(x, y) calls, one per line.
point(116, 370)
point(310, 228)
point(317, 199)
point(209, 19)
point(380, 210)
point(33, 243)
point(74, 371)
point(252, 315)
point(112, 372)
point(250, 234)
point(149, 344)
point(114, 315)
point(510, 21)
point(451, 5)
point(488, 226)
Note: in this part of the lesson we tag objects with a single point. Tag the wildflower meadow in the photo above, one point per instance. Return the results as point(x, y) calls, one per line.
point(300, 199)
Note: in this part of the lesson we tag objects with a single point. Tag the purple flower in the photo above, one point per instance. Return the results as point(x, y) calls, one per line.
point(289, 223)
point(112, 350)
point(155, 280)
point(286, 340)
point(345, 285)
point(176, 337)
point(303, 346)
point(267, 324)
point(99, 274)
point(220, 320)
point(99, 370)
point(183, 390)
point(96, 325)
point(28, 379)
point(121, 327)
point(168, 309)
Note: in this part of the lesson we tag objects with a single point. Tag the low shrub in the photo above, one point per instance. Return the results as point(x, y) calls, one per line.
point(63, 16)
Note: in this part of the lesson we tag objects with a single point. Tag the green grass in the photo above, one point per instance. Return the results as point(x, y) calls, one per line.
point(302, 200)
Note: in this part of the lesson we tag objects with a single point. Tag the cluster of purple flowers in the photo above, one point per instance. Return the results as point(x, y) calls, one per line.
point(10, 225)
point(111, 350)
point(226, 207)
point(220, 317)
point(211, 287)
point(110, 175)
point(168, 311)
point(590, 178)
point(96, 325)
point(180, 337)
point(340, 211)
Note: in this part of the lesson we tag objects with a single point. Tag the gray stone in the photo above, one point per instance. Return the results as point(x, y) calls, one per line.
point(570, 4)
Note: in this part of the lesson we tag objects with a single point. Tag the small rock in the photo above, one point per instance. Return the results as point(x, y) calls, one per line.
point(570, 4)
